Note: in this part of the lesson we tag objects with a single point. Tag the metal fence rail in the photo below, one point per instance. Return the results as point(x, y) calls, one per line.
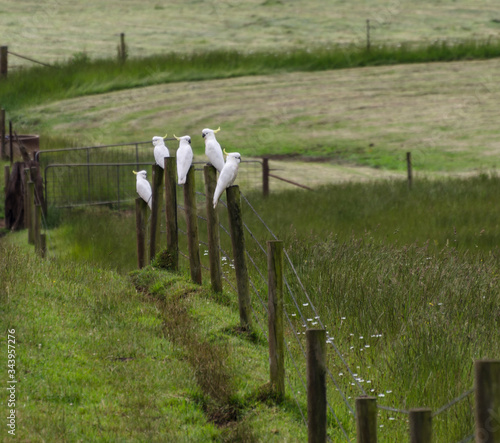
point(138, 152)
point(78, 184)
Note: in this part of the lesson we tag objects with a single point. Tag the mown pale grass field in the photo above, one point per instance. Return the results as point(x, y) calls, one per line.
point(444, 113)
point(50, 30)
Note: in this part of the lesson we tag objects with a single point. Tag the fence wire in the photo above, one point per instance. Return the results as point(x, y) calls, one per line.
point(88, 177)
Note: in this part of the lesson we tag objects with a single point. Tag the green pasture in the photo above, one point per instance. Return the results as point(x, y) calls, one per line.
point(101, 357)
point(50, 31)
point(406, 282)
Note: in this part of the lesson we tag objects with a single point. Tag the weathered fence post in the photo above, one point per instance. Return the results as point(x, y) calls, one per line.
point(31, 212)
point(156, 204)
point(3, 61)
point(11, 143)
point(3, 152)
point(6, 172)
point(275, 316)
point(240, 264)
point(171, 213)
point(420, 425)
point(213, 229)
point(265, 176)
point(487, 400)
point(366, 419)
point(368, 43)
point(409, 169)
point(316, 385)
point(26, 205)
point(122, 49)
point(38, 228)
point(140, 229)
point(192, 226)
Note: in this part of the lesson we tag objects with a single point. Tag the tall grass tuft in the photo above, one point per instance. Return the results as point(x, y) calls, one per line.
point(455, 212)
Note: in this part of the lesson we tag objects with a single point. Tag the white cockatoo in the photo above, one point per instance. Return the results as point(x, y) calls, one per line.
point(227, 175)
point(143, 187)
point(160, 150)
point(212, 148)
point(184, 158)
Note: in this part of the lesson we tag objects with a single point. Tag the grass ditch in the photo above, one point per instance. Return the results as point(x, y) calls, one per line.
point(99, 360)
point(210, 355)
point(209, 360)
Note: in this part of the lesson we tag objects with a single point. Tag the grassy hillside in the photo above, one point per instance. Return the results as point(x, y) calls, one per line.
point(51, 31)
point(444, 113)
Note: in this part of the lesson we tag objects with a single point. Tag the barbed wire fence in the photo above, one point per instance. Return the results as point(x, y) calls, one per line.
point(299, 310)
point(301, 313)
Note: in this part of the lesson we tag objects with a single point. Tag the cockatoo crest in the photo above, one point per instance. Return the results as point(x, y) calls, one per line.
point(160, 151)
point(212, 148)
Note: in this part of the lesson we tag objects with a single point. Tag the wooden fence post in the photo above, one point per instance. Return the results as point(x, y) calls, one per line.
point(11, 144)
point(156, 204)
point(275, 316)
point(3, 153)
point(366, 419)
point(265, 176)
point(140, 229)
point(210, 174)
point(487, 400)
point(192, 226)
point(409, 169)
point(420, 425)
point(6, 172)
point(26, 206)
point(3, 61)
point(122, 49)
point(171, 212)
point(37, 229)
point(31, 212)
point(240, 264)
point(368, 42)
point(316, 385)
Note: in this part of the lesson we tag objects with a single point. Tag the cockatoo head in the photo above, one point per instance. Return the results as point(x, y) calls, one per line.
point(141, 174)
point(232, 156)
point(183, 139)
point(208, 131)
point(158, 141)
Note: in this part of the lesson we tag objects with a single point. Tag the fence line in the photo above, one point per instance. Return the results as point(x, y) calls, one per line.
point(308, 304)
point(452, 402)
point(31, 59)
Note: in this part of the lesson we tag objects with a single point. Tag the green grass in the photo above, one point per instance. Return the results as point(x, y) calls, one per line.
point(438, 213)
point(406, 283)
point(413, 273)
point(82, 76)
point(101, 358)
